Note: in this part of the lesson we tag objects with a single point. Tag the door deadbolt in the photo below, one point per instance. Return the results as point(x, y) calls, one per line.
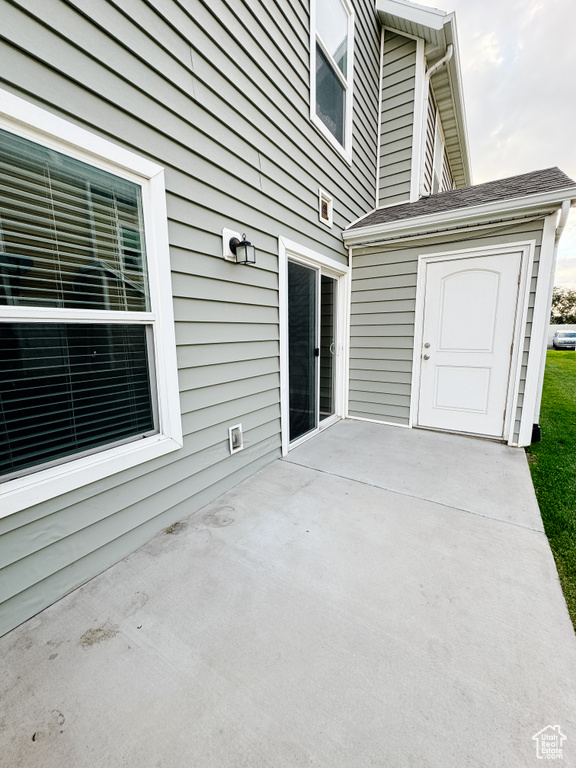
point(427, 345)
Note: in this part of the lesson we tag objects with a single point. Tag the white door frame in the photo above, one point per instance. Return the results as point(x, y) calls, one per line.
point(526, 248)
point(290, 250)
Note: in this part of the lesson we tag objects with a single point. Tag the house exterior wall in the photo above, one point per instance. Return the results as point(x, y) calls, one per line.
point(218, 95)
point(400, 124)
point(396, 118)
point(382, 322)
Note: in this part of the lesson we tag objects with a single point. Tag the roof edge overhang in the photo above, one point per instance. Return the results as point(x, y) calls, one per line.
point(438, 29)
point(503, 211)
point(430, 19)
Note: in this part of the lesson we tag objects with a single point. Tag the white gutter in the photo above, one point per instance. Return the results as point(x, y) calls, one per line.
point(439, 220)
point(564, 211)
point(429, 72)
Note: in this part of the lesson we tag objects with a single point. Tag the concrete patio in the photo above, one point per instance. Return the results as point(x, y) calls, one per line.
point(382, 597)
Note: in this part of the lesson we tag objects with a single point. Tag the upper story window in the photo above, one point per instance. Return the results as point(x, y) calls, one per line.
point(331, 66)
point(88, 384)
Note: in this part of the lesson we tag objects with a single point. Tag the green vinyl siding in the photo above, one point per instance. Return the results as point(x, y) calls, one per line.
point(396, 118)
point(383, 316)
point(227, 116)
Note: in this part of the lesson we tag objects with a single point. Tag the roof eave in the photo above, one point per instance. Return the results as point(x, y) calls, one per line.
point(429, 224)
point(410, 13)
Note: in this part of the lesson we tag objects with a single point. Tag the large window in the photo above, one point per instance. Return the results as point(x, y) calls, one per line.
point(331, 47)
point(87, 374)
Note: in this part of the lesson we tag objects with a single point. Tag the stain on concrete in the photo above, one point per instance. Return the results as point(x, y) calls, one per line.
point(99, 634)
point(200, 542)
point(20, 642)
point(53, 725)
point(52, 656)
point(175, 528)
point(219, 518)
point(137, 602)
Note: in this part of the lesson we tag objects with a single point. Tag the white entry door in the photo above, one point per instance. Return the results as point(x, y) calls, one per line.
point(468, 330)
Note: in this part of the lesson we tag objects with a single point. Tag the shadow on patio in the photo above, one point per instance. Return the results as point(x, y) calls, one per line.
point(382, 597)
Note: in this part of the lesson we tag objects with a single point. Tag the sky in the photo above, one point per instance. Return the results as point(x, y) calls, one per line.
point(518, 59)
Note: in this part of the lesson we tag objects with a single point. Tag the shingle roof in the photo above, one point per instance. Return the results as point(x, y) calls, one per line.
point(533, 183)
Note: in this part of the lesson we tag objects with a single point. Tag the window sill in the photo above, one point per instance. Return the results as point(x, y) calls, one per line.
point(319, 125)
point(23, 492)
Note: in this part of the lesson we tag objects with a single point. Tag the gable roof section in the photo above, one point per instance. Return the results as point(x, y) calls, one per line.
point(532, 183)
point(438, 30)
point(538, 190)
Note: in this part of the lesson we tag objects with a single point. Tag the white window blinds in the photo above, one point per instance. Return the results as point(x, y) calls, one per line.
point(71, 238)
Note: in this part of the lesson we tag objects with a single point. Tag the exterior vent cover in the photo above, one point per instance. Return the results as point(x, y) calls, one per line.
point(235, 438)
point(325, 208)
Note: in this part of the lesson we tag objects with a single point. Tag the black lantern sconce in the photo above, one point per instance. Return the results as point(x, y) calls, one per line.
point(244, 251)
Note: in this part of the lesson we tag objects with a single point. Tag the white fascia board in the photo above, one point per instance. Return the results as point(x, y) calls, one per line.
point(417, 14)
point(439, 221)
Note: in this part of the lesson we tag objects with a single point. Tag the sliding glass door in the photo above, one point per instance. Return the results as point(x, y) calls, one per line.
point(311, 347)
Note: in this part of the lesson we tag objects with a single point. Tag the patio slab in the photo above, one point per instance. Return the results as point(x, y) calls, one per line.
point(479, 476)
point(304, 619)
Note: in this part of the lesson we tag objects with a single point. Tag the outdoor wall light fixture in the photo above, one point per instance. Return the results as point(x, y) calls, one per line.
point(244, 251)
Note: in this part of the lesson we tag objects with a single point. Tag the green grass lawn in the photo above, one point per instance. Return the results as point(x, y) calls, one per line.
point(553, 466)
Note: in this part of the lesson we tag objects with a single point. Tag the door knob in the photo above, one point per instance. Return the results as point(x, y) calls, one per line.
point(426, 357)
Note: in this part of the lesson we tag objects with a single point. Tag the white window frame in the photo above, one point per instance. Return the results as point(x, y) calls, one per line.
point(346, 149)
point(36, 124)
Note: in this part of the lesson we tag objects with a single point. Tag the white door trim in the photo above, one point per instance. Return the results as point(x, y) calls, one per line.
point(526, 249)
point(288, 249)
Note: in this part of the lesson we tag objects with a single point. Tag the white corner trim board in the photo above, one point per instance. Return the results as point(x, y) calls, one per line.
point(419, 122)
point(539, 332)
point(28, 121)
point(378, 133)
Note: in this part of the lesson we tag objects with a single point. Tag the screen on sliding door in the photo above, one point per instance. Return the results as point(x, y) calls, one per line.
point(327, 345)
